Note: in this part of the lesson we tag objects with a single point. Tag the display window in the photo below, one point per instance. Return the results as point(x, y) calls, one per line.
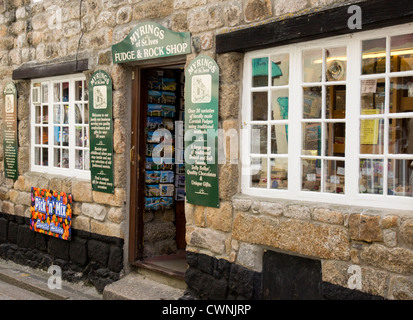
point(331, 119)
point(60, 126)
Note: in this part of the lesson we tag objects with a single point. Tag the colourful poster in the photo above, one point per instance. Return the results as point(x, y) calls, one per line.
point(51, 213)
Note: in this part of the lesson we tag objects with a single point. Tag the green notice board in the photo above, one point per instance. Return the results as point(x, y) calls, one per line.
point(101, 132)
point(150, 40)
point(10, 132)
point(201, 132)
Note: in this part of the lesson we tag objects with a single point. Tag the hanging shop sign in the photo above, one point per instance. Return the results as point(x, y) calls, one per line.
point(150, 40)
point(101, 132)
point(10, 131)
point(201, 132)
point(51, 213)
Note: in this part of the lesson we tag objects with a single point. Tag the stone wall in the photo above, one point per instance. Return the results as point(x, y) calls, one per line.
point(378, 242)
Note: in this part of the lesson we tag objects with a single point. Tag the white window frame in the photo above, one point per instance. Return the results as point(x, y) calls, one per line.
point(353, 42)
point(50, 168)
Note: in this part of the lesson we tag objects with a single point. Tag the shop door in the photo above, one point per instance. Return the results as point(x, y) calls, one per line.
point(157, 183)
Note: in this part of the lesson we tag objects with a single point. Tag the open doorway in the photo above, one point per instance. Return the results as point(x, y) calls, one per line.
point(158, 187)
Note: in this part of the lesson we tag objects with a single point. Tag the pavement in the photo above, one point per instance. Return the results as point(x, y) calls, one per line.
point(18, 282)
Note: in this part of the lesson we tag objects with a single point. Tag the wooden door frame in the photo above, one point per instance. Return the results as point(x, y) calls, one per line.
point(137, 163)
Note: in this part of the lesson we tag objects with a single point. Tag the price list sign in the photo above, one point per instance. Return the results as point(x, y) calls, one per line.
point(201, 132)
point(10, 131)
point(101, 132)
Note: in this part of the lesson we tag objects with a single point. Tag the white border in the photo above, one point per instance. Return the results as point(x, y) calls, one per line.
point(50, 169)
point(354, 52)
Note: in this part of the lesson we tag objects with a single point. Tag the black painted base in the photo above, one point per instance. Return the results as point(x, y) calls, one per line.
point(88, 257)
point(284, 277)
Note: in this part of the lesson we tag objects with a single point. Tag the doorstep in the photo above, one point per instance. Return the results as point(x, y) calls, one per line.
point(172, 265)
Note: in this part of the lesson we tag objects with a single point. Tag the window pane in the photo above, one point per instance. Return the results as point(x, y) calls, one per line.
point(87, 160)
point(259, 106)
point(65, 158)
point(259, 139)
point(279, 173)
point(312, 63)
point(65, 114)
point(38, 114)
point(37, 156)
point(312, 103)
point(260, 72)
point(78, 113)
point(79, 90)
point(371, 176)
point(373, 96)
point(374, 56)
point(336, 102)
point(259, 173)
point(45, 135)
point(57, 158)
point(280, 69)
point(334, 176)
point(86, 137)
point(37, 135)
point(36, 93)
point(57, 95)
point(65, 137)
point(65, 91)
point(79, 137)
point(86, 114)
point(372, 136)
point(401, 94)
point(400, 177)
point(85, 92)
point(335, 139)
point(402, 53)
point(279, 139)
point(79, 159)
point(45, 155)
point(401, 136)
point(311, 139)
point(45, 118)
point(57, 119)
point(279, 104)
point(336, 66)
point(57, 132)
point(311, 174)
point(45, 93)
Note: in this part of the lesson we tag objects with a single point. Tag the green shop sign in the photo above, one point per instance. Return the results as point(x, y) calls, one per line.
point(201, 132)
point(150, 40)
point(10, 132)
point(101, 128)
